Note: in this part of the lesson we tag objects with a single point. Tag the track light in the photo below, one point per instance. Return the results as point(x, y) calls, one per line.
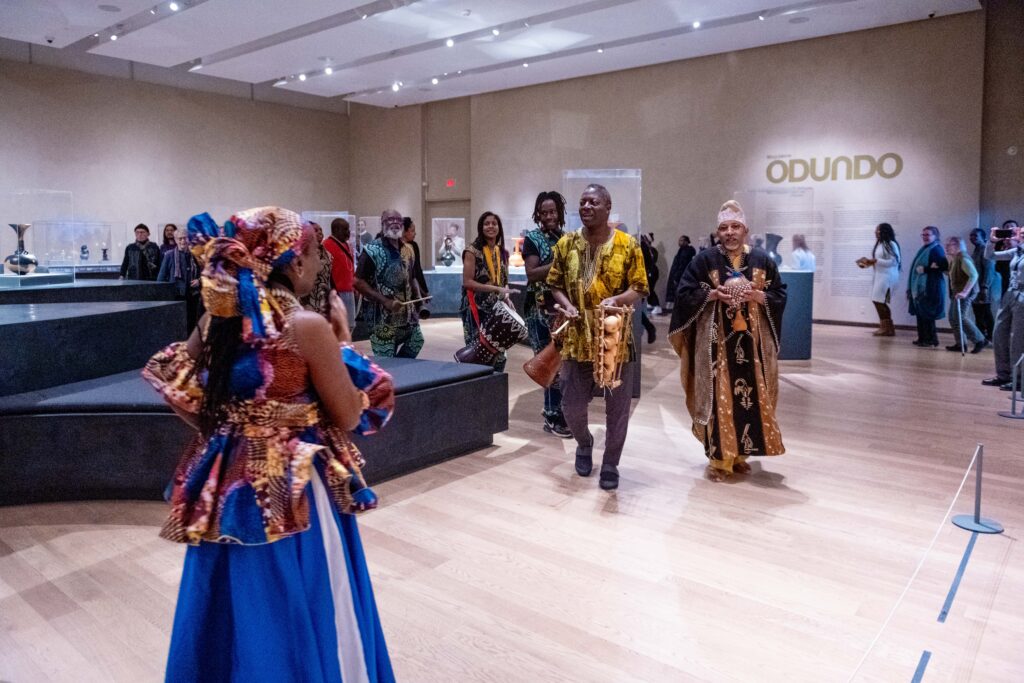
point(328, 71)
point(174, 7)
point(302, 77)
point(395, 87)
point(433, 81)
point(696, 24)
point(600, 50)
point(449, 43)
point(525, 65)
point(495, 31)
point(113, 37)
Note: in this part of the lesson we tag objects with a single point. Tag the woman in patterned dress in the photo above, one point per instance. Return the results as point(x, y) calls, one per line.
point(275, 585)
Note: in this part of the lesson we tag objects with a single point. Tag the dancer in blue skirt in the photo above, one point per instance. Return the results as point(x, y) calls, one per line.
point(275, 585)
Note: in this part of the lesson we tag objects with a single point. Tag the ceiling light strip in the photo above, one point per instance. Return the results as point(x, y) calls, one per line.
point(147, 17)
point(707, 25)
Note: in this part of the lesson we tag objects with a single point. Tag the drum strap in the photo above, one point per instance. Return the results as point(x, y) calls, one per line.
point(476, 318)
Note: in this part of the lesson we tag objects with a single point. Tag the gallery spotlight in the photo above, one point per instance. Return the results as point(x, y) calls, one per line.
point(302, 77)
point(495, 31)
point(450, 42)
point(395, 87)
point(174, 6)
point(696, 24)
point(433, 81)
point(328, 71)
point(113, 37)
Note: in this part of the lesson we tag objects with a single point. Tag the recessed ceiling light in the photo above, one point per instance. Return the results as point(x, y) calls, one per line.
point(395, 87)
point(174, 7)
point(525, 65)
point(152, 11)
point(450, 42)
point(495, 31)
point(799, 20)
point(458, 72)
point(113, 37)
point(696, 24)
point(433, 81)
point(600, 50)
point(109, 8)
point(302, 77)
point(364, 16)
point(760, 17)
point(445, 73)
point(95, 35)
point(328, 71)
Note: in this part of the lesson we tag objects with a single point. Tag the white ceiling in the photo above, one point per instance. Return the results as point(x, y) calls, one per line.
point(265, 42)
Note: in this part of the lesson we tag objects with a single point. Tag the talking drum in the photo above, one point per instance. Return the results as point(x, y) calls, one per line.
point(500, 332)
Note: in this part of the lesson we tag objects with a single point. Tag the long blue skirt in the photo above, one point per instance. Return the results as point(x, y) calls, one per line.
point(299, 609)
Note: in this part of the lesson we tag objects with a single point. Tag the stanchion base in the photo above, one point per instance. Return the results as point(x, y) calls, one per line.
point(983, 526)
point(1012, 415)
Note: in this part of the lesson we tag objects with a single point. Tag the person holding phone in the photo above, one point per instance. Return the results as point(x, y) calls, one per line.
point(1008, 336)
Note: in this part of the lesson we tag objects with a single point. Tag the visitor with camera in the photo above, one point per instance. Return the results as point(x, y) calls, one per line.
point(1008, 336)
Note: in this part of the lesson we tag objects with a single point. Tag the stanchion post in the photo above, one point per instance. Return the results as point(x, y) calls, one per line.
point(976, 522)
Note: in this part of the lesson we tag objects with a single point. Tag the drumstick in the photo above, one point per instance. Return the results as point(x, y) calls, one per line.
point(562, 327)
point(416, 301)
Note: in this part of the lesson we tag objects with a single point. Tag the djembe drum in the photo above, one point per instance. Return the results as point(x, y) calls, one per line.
point(500, 332)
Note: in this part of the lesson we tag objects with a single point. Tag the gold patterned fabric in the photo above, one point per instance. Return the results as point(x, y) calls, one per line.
point(590, 275)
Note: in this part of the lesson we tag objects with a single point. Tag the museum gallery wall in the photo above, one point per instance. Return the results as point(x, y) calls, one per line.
point(897, 112)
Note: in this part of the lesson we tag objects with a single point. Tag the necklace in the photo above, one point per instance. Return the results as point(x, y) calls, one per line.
point(491, 258)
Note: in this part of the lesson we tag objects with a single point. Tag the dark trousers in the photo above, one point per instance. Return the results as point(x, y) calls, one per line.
point(984, 318)
point(883, 310)
point(577, 393)
point(926, 332)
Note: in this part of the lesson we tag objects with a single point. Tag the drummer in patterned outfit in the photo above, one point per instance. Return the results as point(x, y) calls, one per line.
point(597, 265)
point(538, 251)
point(385, 278)
point(484, 279)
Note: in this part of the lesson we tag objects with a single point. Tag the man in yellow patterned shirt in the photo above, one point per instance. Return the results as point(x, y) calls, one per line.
point(597, 265)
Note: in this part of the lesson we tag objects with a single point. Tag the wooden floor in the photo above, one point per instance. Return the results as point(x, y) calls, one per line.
point(504, 565)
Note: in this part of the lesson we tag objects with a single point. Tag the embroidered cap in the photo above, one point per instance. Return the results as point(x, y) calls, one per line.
point(732, 211)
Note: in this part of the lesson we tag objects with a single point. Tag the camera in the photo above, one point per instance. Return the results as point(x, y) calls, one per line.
point(931, 15)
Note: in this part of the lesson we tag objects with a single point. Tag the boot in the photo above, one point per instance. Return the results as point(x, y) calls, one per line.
point(885, 329)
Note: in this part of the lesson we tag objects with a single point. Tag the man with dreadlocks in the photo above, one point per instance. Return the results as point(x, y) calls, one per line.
point(538, 309)
point(275, 585)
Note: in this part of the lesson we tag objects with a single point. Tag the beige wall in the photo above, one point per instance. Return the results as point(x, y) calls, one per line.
point(1002, 173)
point(134, 152)
point(386, 161)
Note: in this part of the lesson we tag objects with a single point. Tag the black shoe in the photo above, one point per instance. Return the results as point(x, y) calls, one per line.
point(557, 427)
point(955, 347)
point(995, 381)
point(651, 337)
point(979, 346)
point(584, 461)
point(609, 480)
point(918, 342)
point(1006, 387)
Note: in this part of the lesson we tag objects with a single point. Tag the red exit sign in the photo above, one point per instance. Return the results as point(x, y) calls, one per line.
point(450, 182)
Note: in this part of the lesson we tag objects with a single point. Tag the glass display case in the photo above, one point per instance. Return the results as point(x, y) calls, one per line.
point(515, 234)
point(624, 185)
point(324, 219)
point(27, 214)
point(449, 243)
point(365, 231)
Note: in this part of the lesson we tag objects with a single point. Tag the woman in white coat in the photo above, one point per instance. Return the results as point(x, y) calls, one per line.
point(885, 260)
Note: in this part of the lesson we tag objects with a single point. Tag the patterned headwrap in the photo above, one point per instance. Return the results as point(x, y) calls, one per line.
point(731, 211)
point(237, 259)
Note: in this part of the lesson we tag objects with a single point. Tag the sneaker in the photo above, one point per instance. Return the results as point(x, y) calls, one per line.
point(557, 427)
point(657, 311)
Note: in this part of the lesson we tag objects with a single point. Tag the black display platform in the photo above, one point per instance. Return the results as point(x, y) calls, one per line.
point(114, 437)
point(81, 291)
point(46, 345)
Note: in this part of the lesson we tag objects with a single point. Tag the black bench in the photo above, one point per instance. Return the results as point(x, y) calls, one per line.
point(114, 437)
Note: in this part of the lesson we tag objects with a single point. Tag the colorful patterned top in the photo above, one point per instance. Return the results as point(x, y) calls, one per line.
point(491, 269)
point(588, 276)
point(247, 482)
point(390, 272)
point(542, 245)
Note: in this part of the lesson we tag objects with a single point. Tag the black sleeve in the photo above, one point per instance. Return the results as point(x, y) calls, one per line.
point(530, 249)
point(365, 269)
point(124, 262)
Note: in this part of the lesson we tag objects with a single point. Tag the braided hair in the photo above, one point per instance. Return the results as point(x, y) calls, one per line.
point(559, 201)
